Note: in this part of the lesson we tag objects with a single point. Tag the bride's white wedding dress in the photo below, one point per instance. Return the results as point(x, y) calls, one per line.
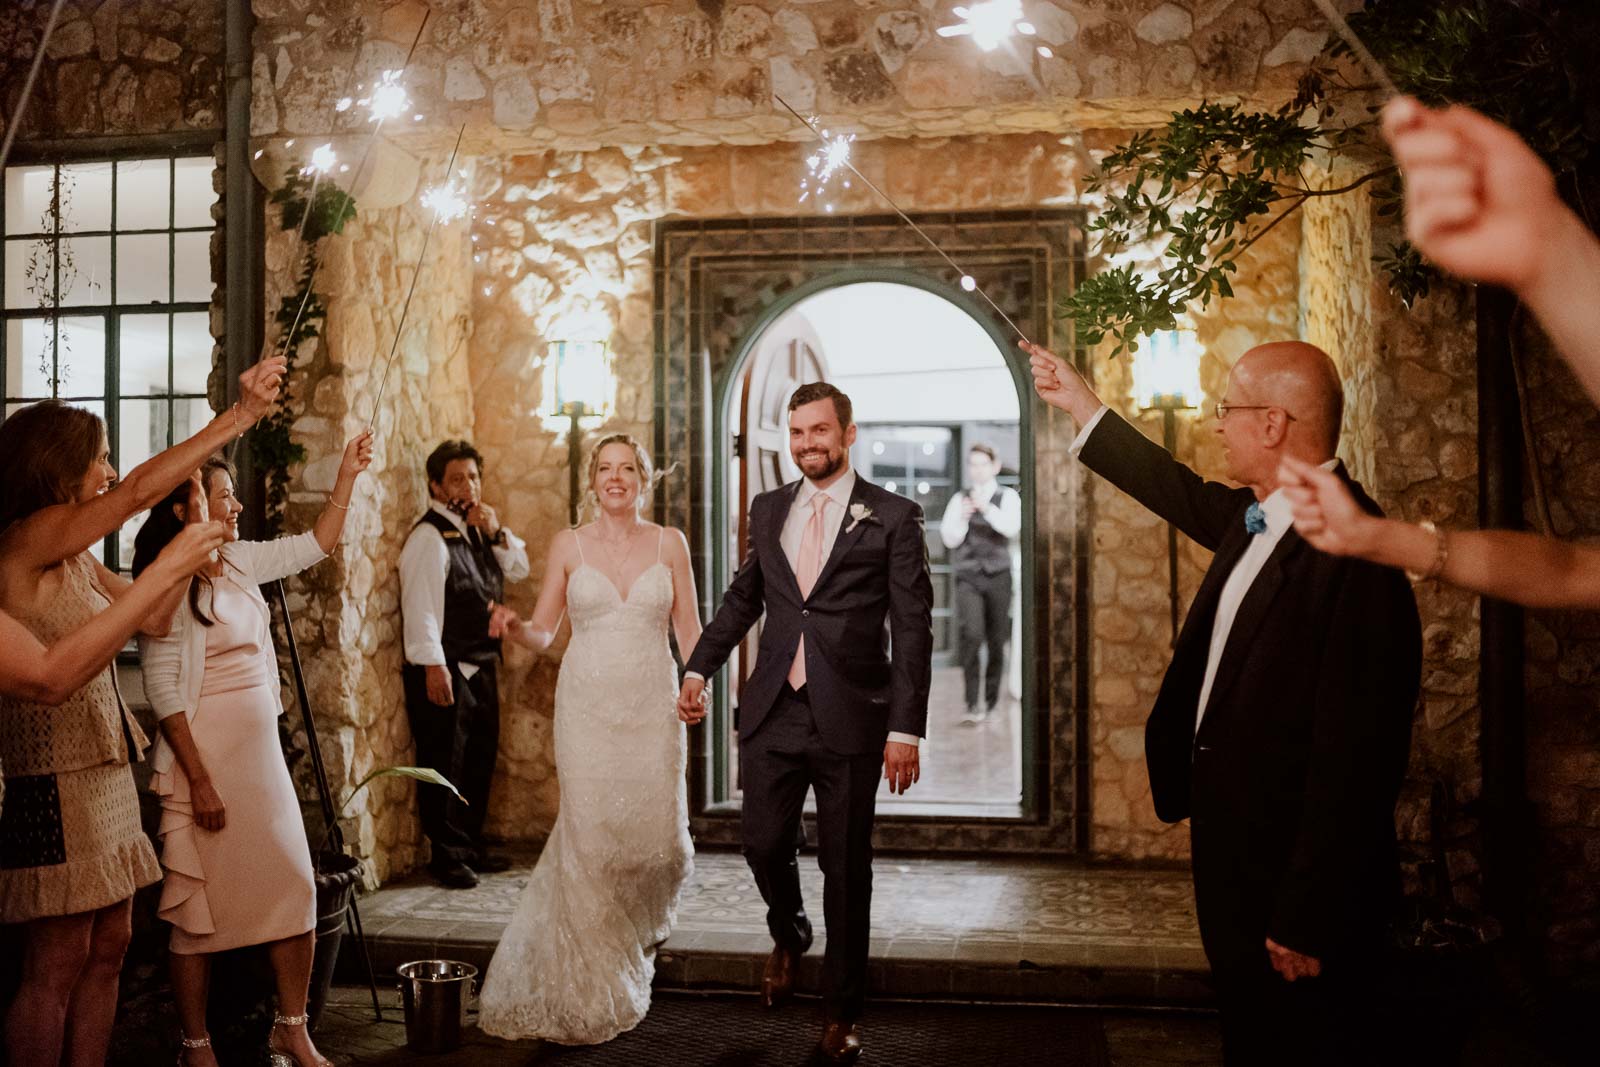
point(575, 964)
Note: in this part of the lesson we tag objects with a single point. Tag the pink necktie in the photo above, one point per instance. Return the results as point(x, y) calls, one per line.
point(807, 567)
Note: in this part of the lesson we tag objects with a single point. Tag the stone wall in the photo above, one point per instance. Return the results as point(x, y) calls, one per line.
point(586, 73)
point(1410, 436)
point(114, 67)
point(1563, 670)
point(347, 608)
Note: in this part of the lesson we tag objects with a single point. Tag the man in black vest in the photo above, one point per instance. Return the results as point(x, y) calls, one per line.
point(977, 529)
point(454, 566)
point(1283, 726)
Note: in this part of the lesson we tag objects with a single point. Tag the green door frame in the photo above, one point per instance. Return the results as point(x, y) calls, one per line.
point(722, 393)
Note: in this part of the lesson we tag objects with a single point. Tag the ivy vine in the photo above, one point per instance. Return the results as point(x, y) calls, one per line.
point(322, 210)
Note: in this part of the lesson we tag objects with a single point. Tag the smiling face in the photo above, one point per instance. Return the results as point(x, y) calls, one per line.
point(819, 445)
point(222, 504)
point(462, 483)
point(617, 481)
point(100, 475)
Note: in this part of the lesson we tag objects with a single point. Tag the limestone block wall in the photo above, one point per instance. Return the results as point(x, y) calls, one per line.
point(584, 73)
point(347, 614)
point(115, 67)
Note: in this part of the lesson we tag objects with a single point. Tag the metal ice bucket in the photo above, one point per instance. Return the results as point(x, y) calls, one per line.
point(435, 995)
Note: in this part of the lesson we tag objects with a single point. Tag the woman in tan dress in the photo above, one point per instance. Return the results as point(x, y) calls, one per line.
point(238, 870)
point(71, 848)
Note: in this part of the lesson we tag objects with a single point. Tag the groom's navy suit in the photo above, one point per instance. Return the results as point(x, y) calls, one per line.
point(868, 629)
point(1290, 782)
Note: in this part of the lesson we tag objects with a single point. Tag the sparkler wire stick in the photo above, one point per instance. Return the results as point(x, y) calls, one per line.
point(27, 86)
point(354, 181)
point(405, 309)
point(1358, 48)
point(920, 232)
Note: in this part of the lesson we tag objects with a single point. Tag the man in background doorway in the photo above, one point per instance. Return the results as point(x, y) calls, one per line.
point(978, 527)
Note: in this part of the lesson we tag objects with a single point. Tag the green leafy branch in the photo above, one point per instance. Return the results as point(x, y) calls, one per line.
point(421, 774)
point(323, 210)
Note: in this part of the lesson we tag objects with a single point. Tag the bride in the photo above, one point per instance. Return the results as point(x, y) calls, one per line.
point(575, 964)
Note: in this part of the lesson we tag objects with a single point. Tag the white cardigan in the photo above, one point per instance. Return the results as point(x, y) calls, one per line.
point(174, 665)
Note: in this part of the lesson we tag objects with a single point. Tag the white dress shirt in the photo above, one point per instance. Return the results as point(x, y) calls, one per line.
point(1279, 517)
point(424, 565)
point(1002, 509)
point(794, 529)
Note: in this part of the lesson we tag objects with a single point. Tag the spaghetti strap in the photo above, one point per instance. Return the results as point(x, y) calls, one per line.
point(660, 541)
point(579, 541)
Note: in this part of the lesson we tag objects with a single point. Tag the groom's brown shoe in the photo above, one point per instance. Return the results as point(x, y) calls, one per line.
point(841, 1042)
point(777, 981)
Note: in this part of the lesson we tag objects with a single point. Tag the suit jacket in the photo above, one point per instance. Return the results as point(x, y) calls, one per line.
point(1291, 781)
point(873, 595)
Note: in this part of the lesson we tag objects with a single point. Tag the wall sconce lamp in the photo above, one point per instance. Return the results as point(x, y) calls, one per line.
point(1166, 378)
point(580, 385)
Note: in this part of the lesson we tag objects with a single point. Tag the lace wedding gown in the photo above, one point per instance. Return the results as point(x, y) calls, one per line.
point(575, 964)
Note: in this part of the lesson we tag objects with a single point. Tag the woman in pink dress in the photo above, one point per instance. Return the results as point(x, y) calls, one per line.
point(237, 867)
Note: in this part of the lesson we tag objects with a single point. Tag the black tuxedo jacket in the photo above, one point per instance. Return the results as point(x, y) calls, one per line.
point(1290, 783)
point(873, 594)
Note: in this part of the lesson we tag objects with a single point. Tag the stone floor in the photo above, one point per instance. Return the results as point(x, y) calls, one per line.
point(964, 928)
point(917, 1035)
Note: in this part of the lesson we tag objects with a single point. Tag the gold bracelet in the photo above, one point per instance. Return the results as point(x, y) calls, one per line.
point(237, 433)
point(1441, 554)
point(335, 503)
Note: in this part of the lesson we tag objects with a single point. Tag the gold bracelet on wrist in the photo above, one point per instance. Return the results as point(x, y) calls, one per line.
point(237, 433)
point(335, 503)
point(1441, 554)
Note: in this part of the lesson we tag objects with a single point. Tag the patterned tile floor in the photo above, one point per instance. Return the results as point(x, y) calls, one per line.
point(953, 926)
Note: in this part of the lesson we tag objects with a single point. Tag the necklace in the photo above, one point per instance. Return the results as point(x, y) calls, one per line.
point(608, 547)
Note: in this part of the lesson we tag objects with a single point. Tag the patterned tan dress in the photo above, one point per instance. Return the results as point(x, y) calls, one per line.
point(70, 839)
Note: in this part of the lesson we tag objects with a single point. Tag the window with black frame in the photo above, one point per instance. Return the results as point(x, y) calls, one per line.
point(106, 297)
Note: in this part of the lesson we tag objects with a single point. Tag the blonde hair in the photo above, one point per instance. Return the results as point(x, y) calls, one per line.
point(649, 477)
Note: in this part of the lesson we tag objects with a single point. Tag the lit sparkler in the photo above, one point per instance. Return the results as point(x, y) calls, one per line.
point(448, 201)
point(991, 23)
point(322, 161)
point(832, 157)
point(387, 99)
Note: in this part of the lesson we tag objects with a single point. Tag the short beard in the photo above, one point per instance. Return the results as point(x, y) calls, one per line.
point(834, 462)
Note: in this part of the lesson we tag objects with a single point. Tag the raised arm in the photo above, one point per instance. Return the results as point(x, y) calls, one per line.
point(60, 532)
point(1481, 204)
point(50, 675)
point(1523, 568)
point(329, 526)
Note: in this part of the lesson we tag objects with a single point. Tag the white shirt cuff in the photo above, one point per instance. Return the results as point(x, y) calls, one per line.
point(693, 674)
point(904, 739)
point(1088, 428)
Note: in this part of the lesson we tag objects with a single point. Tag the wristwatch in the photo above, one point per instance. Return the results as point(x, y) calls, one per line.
point(499, 538)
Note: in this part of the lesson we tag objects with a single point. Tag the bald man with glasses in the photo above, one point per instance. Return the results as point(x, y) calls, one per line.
point(1283, 726)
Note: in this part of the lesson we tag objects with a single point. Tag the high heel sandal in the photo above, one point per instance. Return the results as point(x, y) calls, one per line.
point(191, 1042)
point(280, 1058)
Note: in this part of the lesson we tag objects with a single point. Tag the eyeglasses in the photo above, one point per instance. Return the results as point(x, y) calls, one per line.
point(1223, 409)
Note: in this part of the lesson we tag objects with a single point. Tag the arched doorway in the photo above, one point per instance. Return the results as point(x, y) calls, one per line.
point(929, 381)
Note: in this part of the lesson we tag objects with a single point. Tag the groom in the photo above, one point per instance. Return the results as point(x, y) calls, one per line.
point(839, 692)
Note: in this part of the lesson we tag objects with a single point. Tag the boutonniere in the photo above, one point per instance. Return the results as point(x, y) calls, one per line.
point(859, 513)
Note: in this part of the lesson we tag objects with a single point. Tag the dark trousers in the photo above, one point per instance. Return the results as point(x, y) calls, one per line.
point(983, 619)
point(777, 764)
point(1330, 1021)
point(460, 742)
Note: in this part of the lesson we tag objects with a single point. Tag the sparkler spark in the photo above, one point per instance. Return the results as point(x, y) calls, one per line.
point(448, 202)
point(322, 161)
point(821, 166)
point(387, 99)
point(990, 23)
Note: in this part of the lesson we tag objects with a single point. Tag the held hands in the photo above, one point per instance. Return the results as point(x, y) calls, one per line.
point(1479, 202)
point(209, 811)
point(357, 454)
point(694, 699)
point(440, 691)
point(1325, 513)
point(902, 765)
point(502, 620)
point(258, 386)
point(1292, 964)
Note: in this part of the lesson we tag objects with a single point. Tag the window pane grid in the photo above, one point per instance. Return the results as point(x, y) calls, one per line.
point(149, 345)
